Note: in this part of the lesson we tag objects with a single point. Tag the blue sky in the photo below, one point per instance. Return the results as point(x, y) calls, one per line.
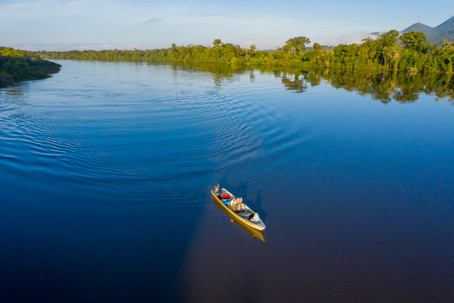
point(121, 24)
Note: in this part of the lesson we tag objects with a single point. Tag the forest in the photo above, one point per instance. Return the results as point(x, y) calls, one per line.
point(17, 65)
point(389, 66)
point(388, 53)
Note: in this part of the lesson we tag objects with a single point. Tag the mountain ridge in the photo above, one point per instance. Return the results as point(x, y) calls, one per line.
point(435, 35)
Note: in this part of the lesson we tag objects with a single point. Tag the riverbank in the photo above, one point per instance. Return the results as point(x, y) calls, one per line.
point(388, 53)
point(17, 66)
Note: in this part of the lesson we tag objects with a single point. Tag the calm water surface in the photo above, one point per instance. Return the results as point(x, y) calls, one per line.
point(106, 170)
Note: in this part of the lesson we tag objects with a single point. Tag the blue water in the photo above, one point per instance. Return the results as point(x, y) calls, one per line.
point(106, 170)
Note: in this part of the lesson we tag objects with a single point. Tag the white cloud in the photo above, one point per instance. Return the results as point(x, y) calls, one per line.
point(62, 25)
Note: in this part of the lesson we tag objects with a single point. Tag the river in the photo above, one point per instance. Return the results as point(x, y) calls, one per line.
point(106, 170)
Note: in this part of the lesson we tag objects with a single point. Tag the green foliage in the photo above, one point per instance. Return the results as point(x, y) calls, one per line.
point(217, 42)
point(386, 67)
point(15, 53)
point(317, 46)
point(17, 65)
point(297, 44)
point(414, 40)
point(409, 54)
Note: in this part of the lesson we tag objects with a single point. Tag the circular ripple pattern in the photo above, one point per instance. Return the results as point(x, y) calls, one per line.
point(147, 134)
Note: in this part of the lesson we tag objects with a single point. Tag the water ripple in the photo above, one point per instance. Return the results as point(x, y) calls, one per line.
point(125, 141)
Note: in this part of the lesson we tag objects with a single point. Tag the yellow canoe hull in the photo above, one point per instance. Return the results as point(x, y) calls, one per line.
point(235, 216)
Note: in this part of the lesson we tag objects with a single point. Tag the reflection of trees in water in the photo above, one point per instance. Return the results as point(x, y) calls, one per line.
point(405, 96)
point(297, 83)
point(252, 76)
point(13, 95)
point(15, 91)
point(221, 73)
point(402, 87)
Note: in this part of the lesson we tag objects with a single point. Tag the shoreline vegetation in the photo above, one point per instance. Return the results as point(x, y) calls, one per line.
point(389, 53)
point(389, 66)
point(18, 65)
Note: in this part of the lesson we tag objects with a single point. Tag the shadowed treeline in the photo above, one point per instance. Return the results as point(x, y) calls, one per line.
point(16, 66)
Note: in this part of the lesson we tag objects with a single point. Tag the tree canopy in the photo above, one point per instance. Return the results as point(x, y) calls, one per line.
point(414, 40)
point(297, 44)
point(388, 53)
point(17, 65)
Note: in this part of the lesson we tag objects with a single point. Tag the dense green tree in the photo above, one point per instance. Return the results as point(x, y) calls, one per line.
point(297, 43)
point(317, 46)
point(388, 39)
point(387, 49)
point(217, 42)
point(414, 40)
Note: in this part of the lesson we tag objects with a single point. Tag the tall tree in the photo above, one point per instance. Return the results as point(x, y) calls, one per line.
point(389, 38)
point(414, 40)
point(217, 42)
point(296, 43)
point(317, 46)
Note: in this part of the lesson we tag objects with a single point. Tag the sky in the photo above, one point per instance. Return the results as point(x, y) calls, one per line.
point(128, 24)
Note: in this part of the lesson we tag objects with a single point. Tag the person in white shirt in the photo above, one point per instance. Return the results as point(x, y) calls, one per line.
point(241, 206)
point(233, 204)
point(254, 217)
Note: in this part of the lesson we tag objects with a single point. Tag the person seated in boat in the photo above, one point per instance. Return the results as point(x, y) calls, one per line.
point(217, 189)
point(237, 205)
point(254, 217)
point(240, 206)
point(233, 204)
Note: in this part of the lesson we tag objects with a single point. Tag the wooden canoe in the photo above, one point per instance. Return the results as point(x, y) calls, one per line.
point(242, 216)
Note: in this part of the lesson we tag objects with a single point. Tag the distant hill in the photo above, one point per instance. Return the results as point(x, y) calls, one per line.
point(446, 26)
point(419, 27)
point(437, 34)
